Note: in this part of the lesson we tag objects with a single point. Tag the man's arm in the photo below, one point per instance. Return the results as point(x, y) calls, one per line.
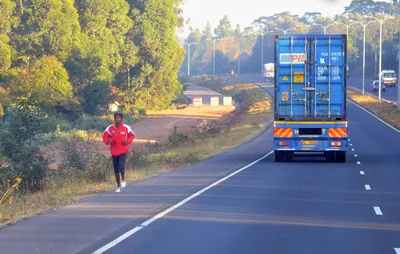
point(107, 136)
point(131, 135)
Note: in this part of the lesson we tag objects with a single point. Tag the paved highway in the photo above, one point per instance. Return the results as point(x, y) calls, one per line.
point(193, 91)
point(241, 202)
point(390, 93)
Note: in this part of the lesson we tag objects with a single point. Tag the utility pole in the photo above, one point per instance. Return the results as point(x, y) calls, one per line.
point(214, 40)
point(381, 21)
point(364, 42)
point(189, 44)
point(398, 77)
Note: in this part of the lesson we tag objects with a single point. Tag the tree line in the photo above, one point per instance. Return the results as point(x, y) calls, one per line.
point(241, 49)
point(74, 57)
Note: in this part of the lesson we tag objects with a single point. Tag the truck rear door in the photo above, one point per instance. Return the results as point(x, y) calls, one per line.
point(310, 77)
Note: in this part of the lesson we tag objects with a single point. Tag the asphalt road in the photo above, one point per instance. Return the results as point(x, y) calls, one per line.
point(302, 207)
point(193, 91)
point(390, 93)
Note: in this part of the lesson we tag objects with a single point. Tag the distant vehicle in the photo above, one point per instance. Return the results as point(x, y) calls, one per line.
point(268, 70)
point(310, 96)
point(389, 77)
point(375, 86)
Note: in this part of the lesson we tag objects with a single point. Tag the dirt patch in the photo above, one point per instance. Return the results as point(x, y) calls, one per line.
point(160, 125)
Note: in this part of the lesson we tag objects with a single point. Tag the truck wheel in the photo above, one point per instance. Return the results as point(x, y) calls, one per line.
point(278, 156)
point(288, 156)
point(330, 156)
point(341, 156)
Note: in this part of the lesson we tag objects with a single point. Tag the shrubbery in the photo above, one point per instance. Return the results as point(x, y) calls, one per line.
point(19, 144)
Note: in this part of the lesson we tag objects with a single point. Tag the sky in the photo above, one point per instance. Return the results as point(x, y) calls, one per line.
point(244, 12)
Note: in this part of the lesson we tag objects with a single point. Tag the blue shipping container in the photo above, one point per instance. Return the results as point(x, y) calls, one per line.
point(310, 95)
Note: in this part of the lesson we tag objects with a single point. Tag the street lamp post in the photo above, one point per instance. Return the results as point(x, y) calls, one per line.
point(284, 31)
point(189, 44)
point(381, 21)
point(364, 45)
point(262, 49)
point(324, 27)
point(214, 40)
point(398, 77)
point(345, 25)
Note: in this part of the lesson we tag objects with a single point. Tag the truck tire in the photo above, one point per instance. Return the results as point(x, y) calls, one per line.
point(338, 156)
point(330, 156)
point(288, 156)
point(279, 156)
point(341, 156)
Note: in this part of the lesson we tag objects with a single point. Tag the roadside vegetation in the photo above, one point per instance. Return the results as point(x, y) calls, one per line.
point(84, 170)
point(386, 111)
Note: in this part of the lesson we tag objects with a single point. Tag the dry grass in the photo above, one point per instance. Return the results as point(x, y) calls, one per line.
point(228, 132)
point(54, 197)
point(384, 110)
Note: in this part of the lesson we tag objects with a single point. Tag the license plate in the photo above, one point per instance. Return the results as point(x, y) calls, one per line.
point(309, 142)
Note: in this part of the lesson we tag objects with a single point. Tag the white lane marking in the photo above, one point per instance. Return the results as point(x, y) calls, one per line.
point(348, 139)
point(119, 239)
point(362, 173)
point(358, 163)
point(378, 210)
point(397, 250)
point(367, 187)
point(352, 149)
point(351, 144)
point(355, 155)
point(382, 121)
point(158, 216)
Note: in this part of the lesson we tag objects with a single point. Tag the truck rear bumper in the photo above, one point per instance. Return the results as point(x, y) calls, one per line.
point(311, 145)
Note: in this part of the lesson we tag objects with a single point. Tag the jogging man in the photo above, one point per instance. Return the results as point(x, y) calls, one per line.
point(119, 136)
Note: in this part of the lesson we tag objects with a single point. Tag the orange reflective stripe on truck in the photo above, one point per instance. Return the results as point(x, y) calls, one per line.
point(283, 132)
point(337, 132)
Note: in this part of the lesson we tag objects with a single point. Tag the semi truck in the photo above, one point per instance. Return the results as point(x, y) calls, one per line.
point(310, 96)
point(268, 71)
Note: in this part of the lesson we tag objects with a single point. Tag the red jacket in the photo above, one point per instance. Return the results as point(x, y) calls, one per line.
point(118, 136)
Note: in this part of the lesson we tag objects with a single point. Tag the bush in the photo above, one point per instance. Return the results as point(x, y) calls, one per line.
point(82, 156)
point(245, 98)
point(177, 138)
point(19, 143)
point(136, 160)
point(86, 122)
point(52, 124)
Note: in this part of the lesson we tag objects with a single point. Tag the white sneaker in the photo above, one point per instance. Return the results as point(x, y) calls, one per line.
point(123, 184)
point(118, 190)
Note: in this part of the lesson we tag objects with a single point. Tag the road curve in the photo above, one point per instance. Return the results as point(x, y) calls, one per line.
point(301, 207)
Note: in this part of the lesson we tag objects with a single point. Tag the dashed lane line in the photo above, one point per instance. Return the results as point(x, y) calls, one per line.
point(377, 210)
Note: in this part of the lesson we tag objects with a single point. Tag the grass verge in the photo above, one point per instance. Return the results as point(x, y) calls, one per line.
point(384, 110)
point(83, 174)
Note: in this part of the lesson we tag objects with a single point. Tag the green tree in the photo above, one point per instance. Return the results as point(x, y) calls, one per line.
point(8, 19)
point(224, 29)
point(45, 82)
point(49, 27)
point(5, 54)
point(105, 24)
point(156, 75)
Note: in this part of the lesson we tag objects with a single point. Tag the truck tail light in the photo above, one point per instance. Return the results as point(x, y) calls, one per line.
point(336, 144)
point(283, 143)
